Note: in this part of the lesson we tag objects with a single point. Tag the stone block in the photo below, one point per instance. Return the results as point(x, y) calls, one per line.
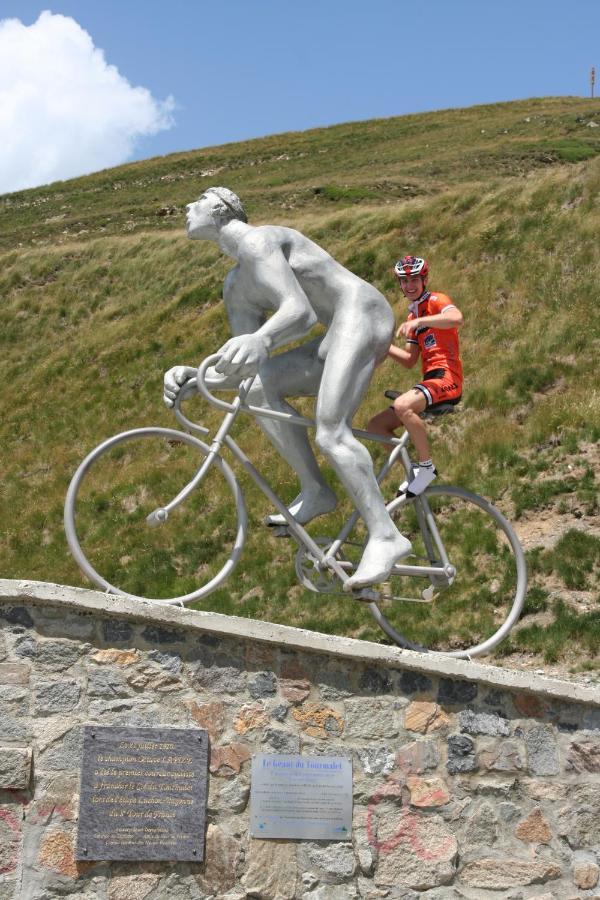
point(456, 692)
point(482, 723)
point(234, 796)
point(416, 757)
point(107, 684)
point(14, 673)
point(586, 871)
point(228, 760)
point(114, 657)
point(542, 752)
point(26, 647)
point(481, 828)
point(579, 822)
point(530, 706)
point(55, 697)
point(116, 631)
point(250, 717)
point(57, 853)
point(461, 755)
point(219, 679)
point(425, 717)
point(427, 793)
point(319, 721)
point(375, 681)
point(262, 684)
point(222, 858)
point(134, 886)
point(155, 634)
point(15, 728)
point(55, 798)
point(496, 874)
point(414, 683)
point(16, 615)
point(58, 655)
point(534, 828)
point(376, 760)
point(210, 715)
point(171, 662)
point(543, 790)
point(417, 852)
point(15, 768)
point(280, 741)
point(10, 839)
point(294, 690)
point(584, 756)
point(271, 872)
point(64, 755)
point(504, 756)
point(334, 862)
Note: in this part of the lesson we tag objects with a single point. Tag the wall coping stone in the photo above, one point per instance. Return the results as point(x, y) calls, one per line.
point(82, 600)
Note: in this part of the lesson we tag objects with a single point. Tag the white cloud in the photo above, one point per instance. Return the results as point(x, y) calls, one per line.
point(64, 111)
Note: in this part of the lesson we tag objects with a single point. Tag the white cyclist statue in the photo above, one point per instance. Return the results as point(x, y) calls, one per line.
point(283, 284)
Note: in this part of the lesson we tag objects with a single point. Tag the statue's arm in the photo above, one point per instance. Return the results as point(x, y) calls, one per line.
point(243, 317)
point(273, 287)
point(275, 281)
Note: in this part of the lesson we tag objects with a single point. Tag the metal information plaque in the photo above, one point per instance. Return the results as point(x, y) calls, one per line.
point(306, 797)
point(143, 793)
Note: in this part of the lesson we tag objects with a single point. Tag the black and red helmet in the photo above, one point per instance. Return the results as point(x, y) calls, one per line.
point(411, 265)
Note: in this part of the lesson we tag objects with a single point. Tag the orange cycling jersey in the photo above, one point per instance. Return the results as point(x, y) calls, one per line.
point(438, 346)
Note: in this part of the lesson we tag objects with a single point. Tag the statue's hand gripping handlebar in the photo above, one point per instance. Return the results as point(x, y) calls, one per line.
point(224, 382)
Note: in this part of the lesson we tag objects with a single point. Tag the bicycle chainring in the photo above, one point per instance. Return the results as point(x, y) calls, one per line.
point(311, 575)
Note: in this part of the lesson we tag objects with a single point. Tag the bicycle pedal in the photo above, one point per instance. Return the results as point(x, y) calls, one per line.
point(280, 531)
point(366, 595)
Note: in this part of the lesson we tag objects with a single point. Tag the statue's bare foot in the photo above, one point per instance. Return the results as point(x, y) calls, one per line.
point(377, 560)
point(308, 506)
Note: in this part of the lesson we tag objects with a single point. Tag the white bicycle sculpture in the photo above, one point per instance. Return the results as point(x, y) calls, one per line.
point(466, 556)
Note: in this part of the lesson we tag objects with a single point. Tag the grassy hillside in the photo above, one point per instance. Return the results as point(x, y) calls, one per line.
point(102, 292)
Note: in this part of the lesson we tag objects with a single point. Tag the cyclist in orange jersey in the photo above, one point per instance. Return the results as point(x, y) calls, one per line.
point(431, 332)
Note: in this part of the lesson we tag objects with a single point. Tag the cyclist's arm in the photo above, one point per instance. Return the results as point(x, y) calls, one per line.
point(407, 356)
point(450, 317)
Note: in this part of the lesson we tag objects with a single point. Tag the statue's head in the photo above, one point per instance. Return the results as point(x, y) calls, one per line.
point(227, 204)
point(214, 208)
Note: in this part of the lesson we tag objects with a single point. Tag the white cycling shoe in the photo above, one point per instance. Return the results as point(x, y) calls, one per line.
point(422, 478)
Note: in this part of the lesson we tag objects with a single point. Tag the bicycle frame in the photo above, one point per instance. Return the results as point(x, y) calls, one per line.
point(431, 536)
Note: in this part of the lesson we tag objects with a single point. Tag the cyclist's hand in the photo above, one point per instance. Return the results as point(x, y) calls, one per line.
point(242, 355)
point(406, 328)
point(173, 380)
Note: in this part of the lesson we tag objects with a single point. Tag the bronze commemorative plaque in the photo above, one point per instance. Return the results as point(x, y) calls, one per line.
point(143, 793)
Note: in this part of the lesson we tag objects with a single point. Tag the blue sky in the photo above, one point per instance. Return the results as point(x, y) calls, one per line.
point(236, 69)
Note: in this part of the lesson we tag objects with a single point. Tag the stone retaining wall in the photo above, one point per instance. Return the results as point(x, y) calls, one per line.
point(469, 781)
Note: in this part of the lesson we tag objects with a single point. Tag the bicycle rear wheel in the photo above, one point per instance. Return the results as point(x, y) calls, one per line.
point(125, 479)
point(466, 615)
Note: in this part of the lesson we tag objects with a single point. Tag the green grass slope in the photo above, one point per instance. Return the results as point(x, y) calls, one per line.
point(101, 292)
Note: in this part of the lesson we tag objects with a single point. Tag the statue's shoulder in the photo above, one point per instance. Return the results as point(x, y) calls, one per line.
point(259, 241)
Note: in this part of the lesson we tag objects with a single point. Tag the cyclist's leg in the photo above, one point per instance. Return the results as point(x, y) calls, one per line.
point(404, 411)
point(355, 344)
point(407, 408)
point(295, 373)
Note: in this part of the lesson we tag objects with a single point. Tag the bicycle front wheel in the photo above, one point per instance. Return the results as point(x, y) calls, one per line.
point(128, 477)
point(469, 611)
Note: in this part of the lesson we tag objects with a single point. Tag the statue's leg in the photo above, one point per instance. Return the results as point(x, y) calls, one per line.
point(348, 369)
point(295, 373)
